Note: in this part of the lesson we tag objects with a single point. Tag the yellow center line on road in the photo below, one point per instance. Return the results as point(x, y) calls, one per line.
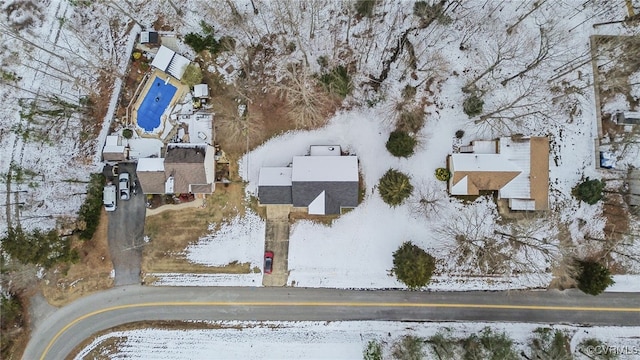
point(337, 304)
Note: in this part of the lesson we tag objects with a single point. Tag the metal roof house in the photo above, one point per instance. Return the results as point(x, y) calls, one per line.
point(324, 182)
point(170, 62)
point(517, 168)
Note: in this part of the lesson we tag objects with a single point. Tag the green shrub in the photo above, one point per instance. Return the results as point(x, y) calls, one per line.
point(323, 61)
point(373, 351)
point(91, 209)
point(364, 8)
point(207, 41)
point(400, 144)
point(589, 191)
point(489, 345)
point(550, 344)
point(394, 187)
point(472, 106)
point(594, 277)
point(127, 133)
point(337, 81)
point(412, 265)
point(443, 174)
point(459, 134)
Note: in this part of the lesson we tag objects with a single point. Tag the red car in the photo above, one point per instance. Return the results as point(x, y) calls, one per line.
point(268, 262)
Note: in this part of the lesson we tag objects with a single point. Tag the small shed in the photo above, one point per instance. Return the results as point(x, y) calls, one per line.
point(201, 91)
point(113, 149)
point(149, 37)
point(628, 118)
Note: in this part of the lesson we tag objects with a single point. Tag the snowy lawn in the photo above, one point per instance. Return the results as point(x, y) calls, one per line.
point(355, 251)
point(239, 240)
point(315, 340)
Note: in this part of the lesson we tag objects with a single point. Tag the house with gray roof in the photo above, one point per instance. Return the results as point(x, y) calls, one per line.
point(324, 182)
point(186, 168)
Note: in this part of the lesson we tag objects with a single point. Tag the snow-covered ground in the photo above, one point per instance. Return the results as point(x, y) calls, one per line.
point(241, 240)
point(316, 340)
point(65, 50)
point(355, 251)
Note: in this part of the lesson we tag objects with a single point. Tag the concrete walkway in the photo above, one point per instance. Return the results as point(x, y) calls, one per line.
point(277, 240)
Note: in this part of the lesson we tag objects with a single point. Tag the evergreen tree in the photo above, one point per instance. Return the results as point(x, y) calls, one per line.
point(40, 248)
point(594, 277)
point(394, 187)
point(400, 144)
point(589, 191)
point(413, 266)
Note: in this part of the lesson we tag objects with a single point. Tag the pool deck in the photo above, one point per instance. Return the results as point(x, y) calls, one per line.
point(181, 91)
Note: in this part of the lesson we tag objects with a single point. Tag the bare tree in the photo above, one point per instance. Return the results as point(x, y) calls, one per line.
point(473, 243)
point(524, 106)
point(536, 5)
point(309, 105)
point(543, 53)
point(501, 51)
point(428, 199)
point(481, 245)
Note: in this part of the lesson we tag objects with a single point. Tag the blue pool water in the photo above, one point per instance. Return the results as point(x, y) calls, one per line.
point(154, 104)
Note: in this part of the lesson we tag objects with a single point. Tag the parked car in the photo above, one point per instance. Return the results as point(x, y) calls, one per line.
point(109, 197)
point(124, 186)
point(268, 262)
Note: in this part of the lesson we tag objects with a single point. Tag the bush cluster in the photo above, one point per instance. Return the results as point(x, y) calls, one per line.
point(443, 174)
point(127, 133)
point(401, 144)
point(472, 106)
point(207, 41)
point(337, 81)
point(394, 187)
point(90, 210)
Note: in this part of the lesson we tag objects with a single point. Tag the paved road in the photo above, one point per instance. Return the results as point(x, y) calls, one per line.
point(56, 336)
point(125, 233)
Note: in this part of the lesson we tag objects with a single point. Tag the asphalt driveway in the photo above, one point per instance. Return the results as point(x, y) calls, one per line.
point(125, 233)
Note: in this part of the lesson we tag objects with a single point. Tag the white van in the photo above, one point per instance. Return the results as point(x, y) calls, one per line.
point(109, 197)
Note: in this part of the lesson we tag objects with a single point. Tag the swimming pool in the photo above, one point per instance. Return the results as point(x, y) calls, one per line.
point(154, 104)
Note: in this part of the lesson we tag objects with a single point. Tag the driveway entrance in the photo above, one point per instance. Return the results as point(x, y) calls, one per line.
point(125, 233)
point(277, 240)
